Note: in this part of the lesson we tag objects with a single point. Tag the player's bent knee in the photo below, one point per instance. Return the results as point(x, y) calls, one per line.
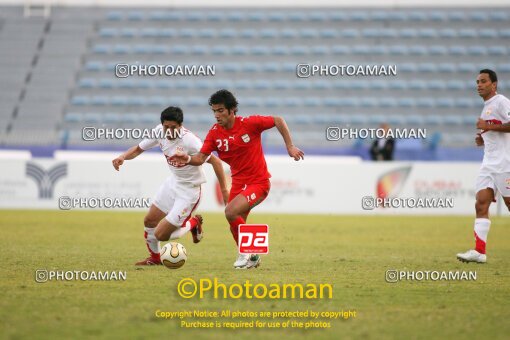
point(161, 235)
point(481, 207)
point(149, 222)
point(231, 213)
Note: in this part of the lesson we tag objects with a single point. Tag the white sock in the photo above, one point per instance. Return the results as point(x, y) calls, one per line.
point(482, 226)
point(181, 231)
point(152, 241)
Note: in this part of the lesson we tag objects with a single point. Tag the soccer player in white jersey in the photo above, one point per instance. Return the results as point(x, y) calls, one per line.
point(170, 215)
point(494, 175)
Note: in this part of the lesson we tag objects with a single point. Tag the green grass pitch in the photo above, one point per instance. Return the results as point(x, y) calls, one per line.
point(350, 252)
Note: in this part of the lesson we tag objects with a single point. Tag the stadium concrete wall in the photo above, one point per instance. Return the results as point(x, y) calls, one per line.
point(264, 3)
point(325, 185)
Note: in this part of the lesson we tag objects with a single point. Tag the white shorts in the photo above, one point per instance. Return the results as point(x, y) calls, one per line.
point(497, 182)
point(177, 201)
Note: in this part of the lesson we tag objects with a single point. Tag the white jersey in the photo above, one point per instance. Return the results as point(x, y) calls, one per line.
point(496, 158)
point(189, 144)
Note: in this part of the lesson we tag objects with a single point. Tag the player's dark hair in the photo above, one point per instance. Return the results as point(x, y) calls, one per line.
point(172, 113)
point(224, 97)
point(492, 75)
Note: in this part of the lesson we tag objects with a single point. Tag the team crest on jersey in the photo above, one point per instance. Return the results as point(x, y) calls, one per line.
point(245, 138)
point(179, 149)
point(508, 183)
point(488, 112)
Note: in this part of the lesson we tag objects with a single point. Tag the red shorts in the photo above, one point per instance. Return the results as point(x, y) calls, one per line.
point(254, 193)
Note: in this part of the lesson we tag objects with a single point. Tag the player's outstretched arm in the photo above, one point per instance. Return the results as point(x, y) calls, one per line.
point(220, 174)
point(131, 153)
point(184, 159)
point(483, 125)
point(282, 127)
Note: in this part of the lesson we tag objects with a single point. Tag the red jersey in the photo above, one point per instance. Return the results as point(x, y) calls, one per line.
point(241, 148)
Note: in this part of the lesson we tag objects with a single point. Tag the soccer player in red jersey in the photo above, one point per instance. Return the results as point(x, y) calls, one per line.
point(237, 140)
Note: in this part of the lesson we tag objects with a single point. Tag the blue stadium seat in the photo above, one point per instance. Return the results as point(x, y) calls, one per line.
point(414, 120)
point(289, 33)
point(179, 49)
point(425, 102)
point(467, 102)
point(378, 84)
point(260, 50)
point(127, 32)
point(437, 16)
point(203, 84)
point(436, 85)
point(388, 33)
point(418, 50)
point(477, 50)
point(135, 16)
point(338, 16)
point(73, 117)
point(417, 16)
point(358, 16)
point(261, 84)
point(215, 16)
point(122, 49)
point(108, 32)
point(114, 16)
point(195, 16)
point(466, 67)
point(187, 33)
point(248, 33)
point(468, 33)
point(107, 83)
point(408, 33)
point(361, 50)
point(452, 119)
point(377, 119)
point(182, 84)
point(458, 50)
point(398, 50)
point(272, 67)
point(239, 50)
point(303, 119)
point(349, 33)
point(498, 16)
point(137, 101)
point(299, 50)
point(142, 49)
point(296, 16)
point(332, 102)
point(149, 32)
point(111, 118)
point(256, 16)
point(206, 33)
point(497, 50)
point(488, 33)
point(447, 33)
point(118, 101)
point(251, 101)
point(444, 102)
point(196, 101)
point(317, 16)
point(417, 85)
point(437, 50)
point(312, 101)
point(433, 120)
point(379, 15)
point(272, 102)
point(378, 50)
point(427, 33)
point(80, 100)
point(148, 118)
point(427, 67)
point(92, 118)
point(236, 16)
point(158, 101)
point(129, 118)
point(397, 16)
point(101, 49)
point(227, 33)
point(455, 85)
point(157, 16)
point(276, 16)
point(87, 83)
point(199, 50)
point(368, 102)
point(505, 33)
point(395, 120)
point(280, 50)
point(478, 16)
point(504, 68)
point(347, 102)
point(292, 101)
point(268, 33)
point(320, 50)
point(308, 33)
point(407, 67)
point(370, 32)
point(282, 84)
point(340, 49)
point(447, 68)
point(328, 33)
point(406, 102)
point(356, 119)
point(456, 16)
point(321, 85)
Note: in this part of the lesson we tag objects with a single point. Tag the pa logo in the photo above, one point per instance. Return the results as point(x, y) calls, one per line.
point(46, 180)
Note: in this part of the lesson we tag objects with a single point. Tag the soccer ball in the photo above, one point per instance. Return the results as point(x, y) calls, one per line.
point(173, 255)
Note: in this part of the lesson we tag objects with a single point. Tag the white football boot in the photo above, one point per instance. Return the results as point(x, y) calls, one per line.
point(242, 261)
point(254, 261)
point(472, 256)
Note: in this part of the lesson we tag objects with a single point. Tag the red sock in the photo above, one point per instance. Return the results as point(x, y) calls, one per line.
point(234, 228)
point(193, 222)
point(479, 245)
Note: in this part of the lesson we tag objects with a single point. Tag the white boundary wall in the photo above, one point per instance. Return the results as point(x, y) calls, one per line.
point(326, 185)
point(265, 3)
